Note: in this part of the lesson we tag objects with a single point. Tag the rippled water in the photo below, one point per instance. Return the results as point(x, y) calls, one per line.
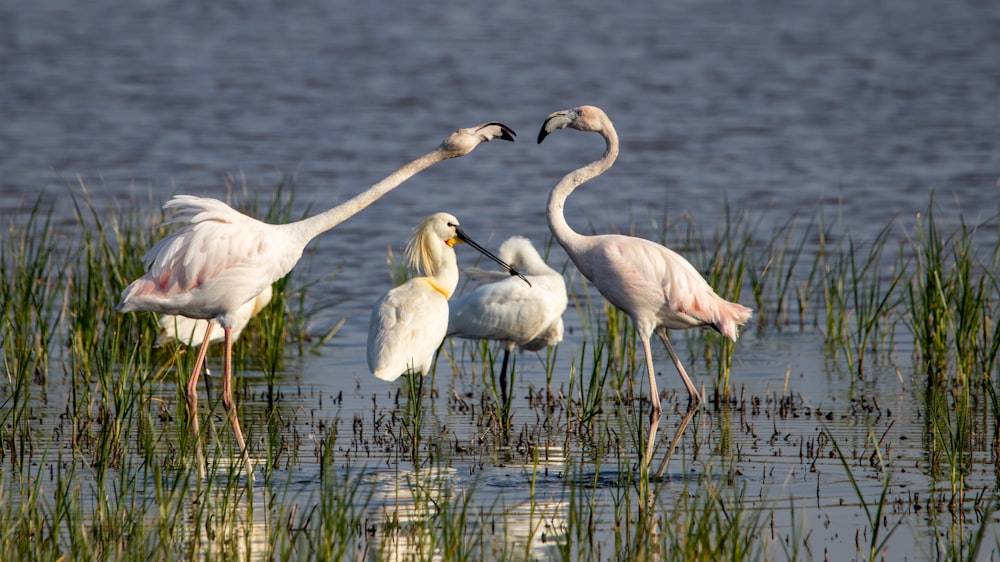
point(775, 108)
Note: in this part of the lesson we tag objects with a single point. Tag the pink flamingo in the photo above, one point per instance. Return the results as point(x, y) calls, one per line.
point(655, 286)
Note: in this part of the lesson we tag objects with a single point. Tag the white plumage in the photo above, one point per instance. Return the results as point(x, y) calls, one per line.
point(409, 322)
point(507, 310)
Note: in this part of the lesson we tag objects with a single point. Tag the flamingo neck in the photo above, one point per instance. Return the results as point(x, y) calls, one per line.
point(314, 226)
point(563, 233)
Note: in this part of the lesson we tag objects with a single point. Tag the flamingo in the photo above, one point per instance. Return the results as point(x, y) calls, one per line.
point(655, 286)
point(506, 310)
point(222, 259)
point(409, 322)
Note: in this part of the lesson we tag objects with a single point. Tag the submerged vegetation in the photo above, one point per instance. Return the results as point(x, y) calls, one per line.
point(96, 462)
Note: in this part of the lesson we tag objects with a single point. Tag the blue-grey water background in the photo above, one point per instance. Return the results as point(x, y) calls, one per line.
point(772, 108)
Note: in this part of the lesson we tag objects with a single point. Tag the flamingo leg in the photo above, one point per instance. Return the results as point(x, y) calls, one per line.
point(677, 438)
point(692, 390)
point(191, 393)
point(227, 393)
point(192, 385)
point(654, 395)
point(654, 425)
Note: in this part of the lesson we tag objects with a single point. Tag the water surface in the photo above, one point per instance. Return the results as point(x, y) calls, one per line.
point(776, 110)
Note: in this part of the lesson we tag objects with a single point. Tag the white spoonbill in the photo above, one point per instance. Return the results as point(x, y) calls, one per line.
point(506, 310)
point(409, 322)
point(655, 286)
point(222, 259)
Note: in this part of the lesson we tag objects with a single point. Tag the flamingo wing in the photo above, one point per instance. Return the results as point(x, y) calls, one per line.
point(218, 261)
point(653, 283)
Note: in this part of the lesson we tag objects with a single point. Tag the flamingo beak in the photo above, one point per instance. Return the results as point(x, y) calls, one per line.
point(462, 237)
point(496, 130)
point(555, 121)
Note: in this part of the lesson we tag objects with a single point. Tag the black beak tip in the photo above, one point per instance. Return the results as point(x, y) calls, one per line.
point(514, 272)
point(506, 133)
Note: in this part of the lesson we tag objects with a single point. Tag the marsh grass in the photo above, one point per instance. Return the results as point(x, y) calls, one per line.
point(875, 510)
point(587, 392)
point(929, 296)
point(335, 526)
point(412, 419)
point(110, 476)
point(713, 522)
point(859, 295)
point(30, 291)
point(950, 306)
point(772, 273)
point(728, 265)
point(481, 358)
point(87, 484)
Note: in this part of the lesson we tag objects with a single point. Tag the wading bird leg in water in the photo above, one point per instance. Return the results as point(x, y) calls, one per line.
point(191, 394)
point(654, 424)
point(695, 396)
point(503, 380)
point(227, 394)
point(692, 408)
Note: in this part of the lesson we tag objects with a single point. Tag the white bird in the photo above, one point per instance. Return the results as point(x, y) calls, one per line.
point(409, 322)
point(222, 259)
point(506, 310)
point(191, 331)
point(655, 286)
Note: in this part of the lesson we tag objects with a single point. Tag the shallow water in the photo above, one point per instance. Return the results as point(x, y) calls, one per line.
point(778, 110)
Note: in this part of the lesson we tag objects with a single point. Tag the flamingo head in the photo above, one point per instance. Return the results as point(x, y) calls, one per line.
point(463, 141)
point(584, 118)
